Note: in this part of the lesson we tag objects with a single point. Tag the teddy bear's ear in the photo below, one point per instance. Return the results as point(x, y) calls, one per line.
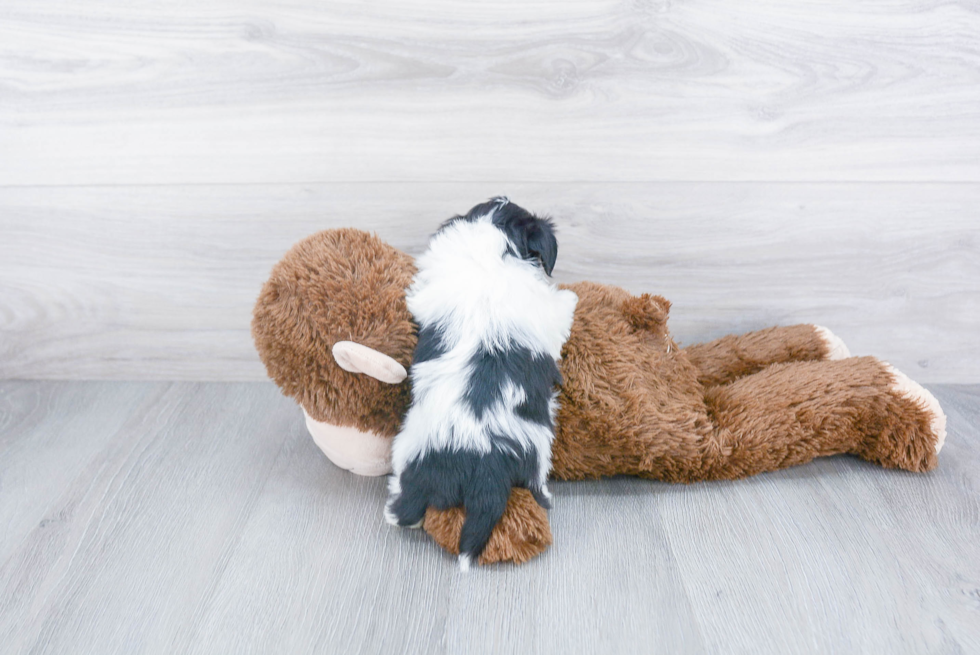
point(356, 358)
point(646, 312)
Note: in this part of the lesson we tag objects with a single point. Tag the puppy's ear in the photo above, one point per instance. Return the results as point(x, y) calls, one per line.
point(541, 243)
point(532, 237)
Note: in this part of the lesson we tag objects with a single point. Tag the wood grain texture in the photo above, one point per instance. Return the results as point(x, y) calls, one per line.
point(260, 91)
point(201, 518)
point(159, 282)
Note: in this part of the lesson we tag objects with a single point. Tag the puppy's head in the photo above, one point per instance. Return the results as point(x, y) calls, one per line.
point(531, 238)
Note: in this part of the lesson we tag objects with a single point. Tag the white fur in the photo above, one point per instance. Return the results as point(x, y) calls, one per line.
point(503, 299)
point(481, 299)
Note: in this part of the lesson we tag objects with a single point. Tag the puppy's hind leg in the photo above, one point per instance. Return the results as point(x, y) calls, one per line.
point(406, 508)
point(485, 504)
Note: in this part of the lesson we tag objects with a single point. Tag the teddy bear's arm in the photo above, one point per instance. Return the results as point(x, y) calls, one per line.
point(732, 357)
point(521, 533)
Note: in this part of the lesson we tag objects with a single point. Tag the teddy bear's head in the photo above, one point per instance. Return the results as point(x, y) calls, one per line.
point(333, 330)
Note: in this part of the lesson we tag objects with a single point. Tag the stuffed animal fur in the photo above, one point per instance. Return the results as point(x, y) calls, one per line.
point(334, 332)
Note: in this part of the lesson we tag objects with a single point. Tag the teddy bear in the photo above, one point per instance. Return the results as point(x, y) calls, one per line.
point(332, 328)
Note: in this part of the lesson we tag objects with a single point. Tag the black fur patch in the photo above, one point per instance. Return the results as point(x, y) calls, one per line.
point(476, 212)
point(430, 345)
point(535, 373)
point(481, 483)
point(533, 238)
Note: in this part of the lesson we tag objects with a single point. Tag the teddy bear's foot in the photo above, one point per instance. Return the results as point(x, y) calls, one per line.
point(913, 391)
point(909, 427)
point(730, 358)
point(790, 413)
point(836, 349)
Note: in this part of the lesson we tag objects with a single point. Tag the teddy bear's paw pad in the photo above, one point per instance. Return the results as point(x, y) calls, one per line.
point(836, 348)
point(907, 388)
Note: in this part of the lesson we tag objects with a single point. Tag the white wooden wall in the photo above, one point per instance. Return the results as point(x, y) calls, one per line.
point(758, 163)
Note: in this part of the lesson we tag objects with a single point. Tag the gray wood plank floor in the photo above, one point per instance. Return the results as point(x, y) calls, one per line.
point(150, 517)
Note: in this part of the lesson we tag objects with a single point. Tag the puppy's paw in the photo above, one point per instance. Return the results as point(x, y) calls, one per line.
point(390, 517)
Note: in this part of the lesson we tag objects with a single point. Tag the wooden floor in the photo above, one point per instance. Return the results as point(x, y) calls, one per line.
point(171, 518)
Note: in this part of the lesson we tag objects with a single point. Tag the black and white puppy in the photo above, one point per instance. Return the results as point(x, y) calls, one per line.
point(491, 327)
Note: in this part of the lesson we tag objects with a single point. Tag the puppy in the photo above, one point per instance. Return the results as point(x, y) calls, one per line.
point(491, 327)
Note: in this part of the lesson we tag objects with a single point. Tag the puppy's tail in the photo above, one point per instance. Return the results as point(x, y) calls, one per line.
point(485, 505)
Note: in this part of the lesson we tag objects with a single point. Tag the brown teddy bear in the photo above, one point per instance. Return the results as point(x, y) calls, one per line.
point(333, 330)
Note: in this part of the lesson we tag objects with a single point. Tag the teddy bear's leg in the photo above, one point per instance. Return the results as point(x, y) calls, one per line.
point(729, 358)
point(790, 413)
